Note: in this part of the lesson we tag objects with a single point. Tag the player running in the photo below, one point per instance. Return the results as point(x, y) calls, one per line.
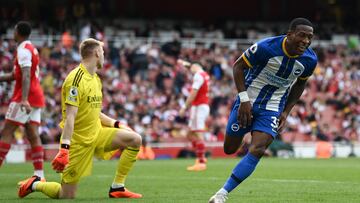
point(87, 133)
point(27, 100)
point(270, 77)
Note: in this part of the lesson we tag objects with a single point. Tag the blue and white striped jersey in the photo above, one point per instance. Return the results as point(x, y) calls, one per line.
point(272, 72)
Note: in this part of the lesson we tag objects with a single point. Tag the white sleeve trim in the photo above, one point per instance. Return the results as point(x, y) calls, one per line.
point(24, 57)
point(197, 81)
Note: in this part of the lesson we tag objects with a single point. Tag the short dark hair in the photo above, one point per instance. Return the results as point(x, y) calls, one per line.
point(23, 28)
point(299, 21)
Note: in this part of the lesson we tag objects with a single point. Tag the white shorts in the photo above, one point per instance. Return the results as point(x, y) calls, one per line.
point(16, 115)
point(198, 116)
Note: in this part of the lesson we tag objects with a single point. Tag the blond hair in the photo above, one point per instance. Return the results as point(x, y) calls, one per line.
point(87, 47)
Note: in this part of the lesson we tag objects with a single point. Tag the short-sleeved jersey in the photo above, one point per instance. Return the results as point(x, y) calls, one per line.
point(27, 56)
point(272, 71)
point(201, 82)
point(83, 90)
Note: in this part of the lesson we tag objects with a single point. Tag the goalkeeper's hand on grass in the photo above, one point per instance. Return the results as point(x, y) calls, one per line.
point(61, 160)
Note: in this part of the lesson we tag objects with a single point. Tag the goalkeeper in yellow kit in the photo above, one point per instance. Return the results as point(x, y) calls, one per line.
point(87, 133)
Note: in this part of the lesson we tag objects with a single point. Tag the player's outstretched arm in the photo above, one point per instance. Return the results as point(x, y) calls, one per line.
point(295, 93)
point(245, 109)
point(62, 158)
point(7, 77)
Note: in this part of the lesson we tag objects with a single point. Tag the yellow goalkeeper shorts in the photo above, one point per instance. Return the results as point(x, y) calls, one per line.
point(81, 157)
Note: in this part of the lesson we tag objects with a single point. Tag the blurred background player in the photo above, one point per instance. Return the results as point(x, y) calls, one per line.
point(270, 77)
point(87, 132)
point(198, 100)
point(27, 100)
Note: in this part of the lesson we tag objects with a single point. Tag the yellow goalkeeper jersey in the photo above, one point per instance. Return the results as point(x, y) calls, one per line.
point(83, 90)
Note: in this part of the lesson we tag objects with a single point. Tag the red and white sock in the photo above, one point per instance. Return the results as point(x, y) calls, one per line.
point(37, 155)
point(200, 151)
point(4, 149)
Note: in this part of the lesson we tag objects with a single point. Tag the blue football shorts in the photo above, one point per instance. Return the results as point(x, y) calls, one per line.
point(263, 120)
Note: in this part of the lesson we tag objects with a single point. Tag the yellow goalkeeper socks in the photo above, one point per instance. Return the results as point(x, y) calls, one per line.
point(51, 189)
point(126, 162)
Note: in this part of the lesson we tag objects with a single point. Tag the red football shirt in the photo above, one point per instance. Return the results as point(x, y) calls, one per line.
point(27, 56)
point(201, 81)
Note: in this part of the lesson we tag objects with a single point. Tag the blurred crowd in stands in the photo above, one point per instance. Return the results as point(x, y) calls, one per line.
point(109, 17)
point(144, 88)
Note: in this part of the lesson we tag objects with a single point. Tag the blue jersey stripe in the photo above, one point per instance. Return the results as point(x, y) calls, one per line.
point(264, 96)
point(283, 99)
point(283, 66)
point(267, 97)
point(261, 94)
point(251, 75)
point(289, 68)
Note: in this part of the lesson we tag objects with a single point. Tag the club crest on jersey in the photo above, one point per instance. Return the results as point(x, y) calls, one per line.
point(235, 127)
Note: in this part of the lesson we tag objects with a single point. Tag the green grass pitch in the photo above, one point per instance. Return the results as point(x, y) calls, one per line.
point(167, 181)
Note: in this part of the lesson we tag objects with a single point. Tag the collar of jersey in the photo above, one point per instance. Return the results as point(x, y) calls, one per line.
point(85, 70)
point(23, 43)
point(284, 49)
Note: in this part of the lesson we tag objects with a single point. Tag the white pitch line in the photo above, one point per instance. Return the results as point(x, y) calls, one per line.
point(201, 179)
point(304, 181)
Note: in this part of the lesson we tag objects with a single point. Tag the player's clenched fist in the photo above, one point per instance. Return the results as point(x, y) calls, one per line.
point(61, 160)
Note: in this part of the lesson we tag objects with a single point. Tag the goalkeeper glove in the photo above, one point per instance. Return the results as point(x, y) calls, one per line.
point(62, 158)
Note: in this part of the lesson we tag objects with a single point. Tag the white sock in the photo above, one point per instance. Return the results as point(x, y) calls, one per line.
point(117, 185)
point(39, 173)
point(33, 187)
point(223, 191)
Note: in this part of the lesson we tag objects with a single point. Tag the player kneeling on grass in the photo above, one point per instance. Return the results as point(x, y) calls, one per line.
point(87, 132)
